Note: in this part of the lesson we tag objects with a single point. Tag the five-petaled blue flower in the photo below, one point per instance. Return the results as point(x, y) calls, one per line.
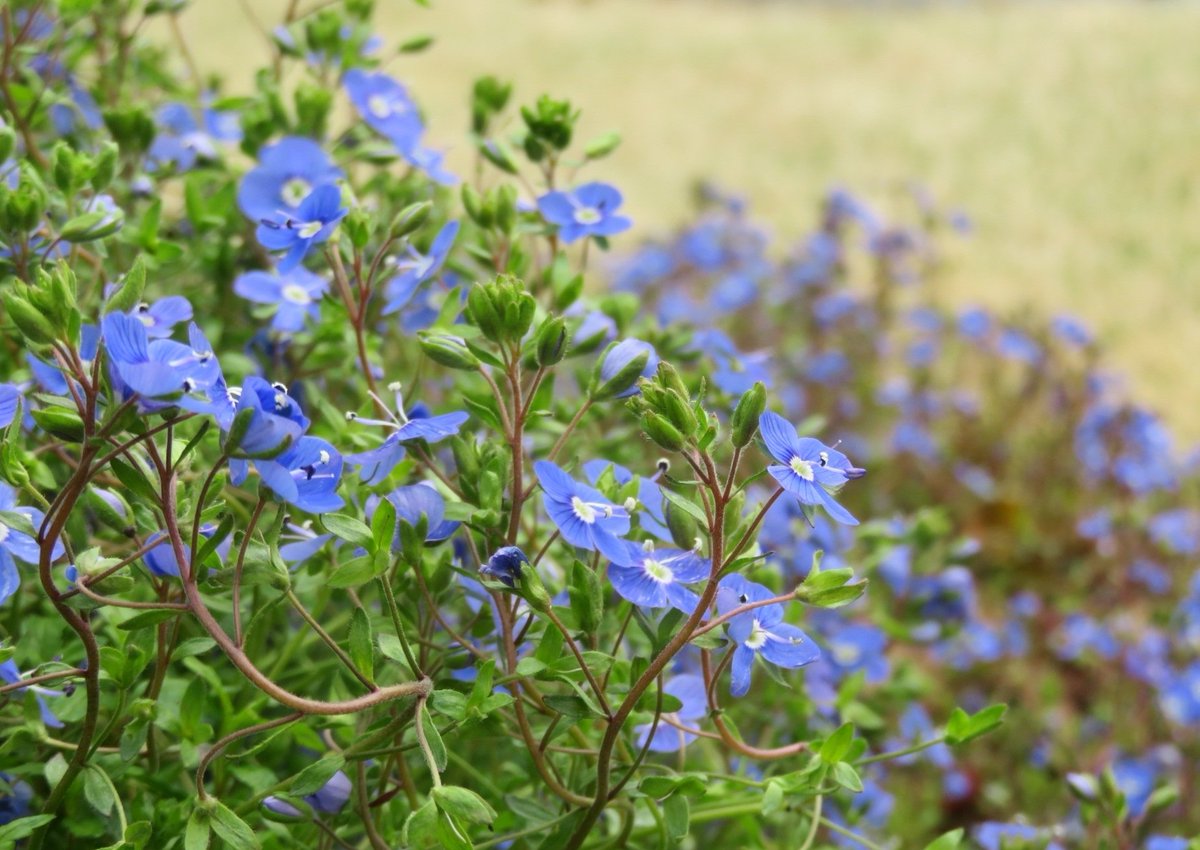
point(672, 733)
point(655, 578)
point(295, 294)
point(17, 544)
point(807, 468)
point(589, 210)
point(160, 367)
point(287, 173)
point(416, 268)
point(376, 464)
point(314, 221)
point(305, 475)
point(760, 631)
point(584, 516)
point(505, 565)
point(386, 107)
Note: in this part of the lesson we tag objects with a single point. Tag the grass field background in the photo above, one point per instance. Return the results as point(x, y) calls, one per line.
point(1069, 132)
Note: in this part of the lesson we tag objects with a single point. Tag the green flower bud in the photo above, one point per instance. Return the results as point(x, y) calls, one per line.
point(64, 168)
point(59, 422)
point(8, 142)
point(551, 341)
point(313, 105)
point(409, 219)
point(499, 155)
point(602, 146)
point(357, 225)
point(678, 411)
point(587, 597)
point(532, 590)
point(662, 432)
point(683, 528)
point(473, 204)
point(31, 322)
point(132, 287)
point(12, 468)
point(744, 422)
point(104, 166)
point(506, 207)
point(448, 350)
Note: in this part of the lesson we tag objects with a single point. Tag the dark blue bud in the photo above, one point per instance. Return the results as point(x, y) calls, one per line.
point(505, 565)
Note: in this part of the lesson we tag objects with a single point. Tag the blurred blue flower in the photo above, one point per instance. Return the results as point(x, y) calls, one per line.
point(287, 173)
point(296, 295)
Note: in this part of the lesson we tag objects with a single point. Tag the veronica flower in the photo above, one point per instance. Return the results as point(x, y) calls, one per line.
point(376, 464)
point(419, 500)
point(416, 268)
point(298, 542)
point(760, 631)
point(181, 139)
point(314, 221)
point(589, 210)
point(668, 737)
point(10, 400)
point(161, 317)
point(161, 559)
point(651, 578)
point(15, 797)
point(857, 648)
point(295, 295)
point(385, 106)
point(305, 475)
point(584, 516)
point(17, 544)
point(160, 367)
point(329, 799)
point(287, 173)
point(10, 673)
point(807, 468)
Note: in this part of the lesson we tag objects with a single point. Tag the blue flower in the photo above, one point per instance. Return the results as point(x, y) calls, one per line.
point(417, 500)
point(17, 544)
point(10, 673)
point(386, 107)
point(620, 356)
point(589, 210)
point(669, 737)
point(160, 367)
point(760, 631)
point(807, 468)
point(305, 475)
point(584, 517)
point(15, 804)
point(1180, 696)
point(416, 268)
point(287, 173)
point(161, 317)
point(161, 559)
point(181, 140)
point(295, 294)
point(313, 223)
point(329, 799)
point(376, 464)
point(505, 565)
point(10, 400)
point(298, 543)
point(860, 647)
point(651, 578)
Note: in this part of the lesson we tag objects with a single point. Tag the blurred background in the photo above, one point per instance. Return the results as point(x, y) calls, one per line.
point(1069, 133)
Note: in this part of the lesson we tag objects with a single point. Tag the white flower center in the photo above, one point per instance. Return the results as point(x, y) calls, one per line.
point(379, 106)
point(758, 637)
point(803, 468)
point(147, 319)
point(295, 190)
point(658, 571)
point(587, 215)
point(296, 294)
point(583, 510)
point(310, 229)
point(846, 654)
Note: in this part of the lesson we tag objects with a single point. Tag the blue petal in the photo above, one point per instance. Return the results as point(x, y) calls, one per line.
point(434, 428)
point(779, 435)
point(557, 484)
point(10, 579)
point(739, 671)
point(789, 647)
point(125, 338)
point(634, 584)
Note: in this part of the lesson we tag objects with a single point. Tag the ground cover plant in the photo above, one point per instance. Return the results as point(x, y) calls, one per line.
point(352, 502)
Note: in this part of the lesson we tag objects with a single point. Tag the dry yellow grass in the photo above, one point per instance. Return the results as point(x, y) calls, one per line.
point(1070, 132)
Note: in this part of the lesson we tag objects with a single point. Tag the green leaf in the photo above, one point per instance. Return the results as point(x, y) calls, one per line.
point(348, 528)
point(436, 746)
point(391, 647)
point(837, 745)
point(963, 727)
point(571, 707)
point(353, 573)
point(550, 648)
point(676, 814)
point(383, 526)
point(464, 804)
point(947, 841)
point(420, 828)
point(22, 828)
point(133, 738)
point(235, 832)
point(362, 653)
point(688, 507)
point(772, 800)
point(847, 777)
point(147, 619)
point(196, 836)
point(97, 790)
point(313, 778)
